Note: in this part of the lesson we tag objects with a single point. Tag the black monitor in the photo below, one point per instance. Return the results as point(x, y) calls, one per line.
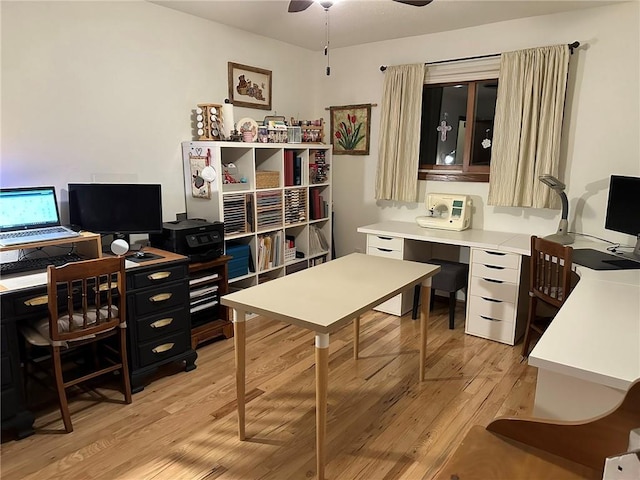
point(623, 210)
point(117, 209)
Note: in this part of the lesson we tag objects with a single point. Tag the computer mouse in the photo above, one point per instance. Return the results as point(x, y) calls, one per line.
point(140, 254)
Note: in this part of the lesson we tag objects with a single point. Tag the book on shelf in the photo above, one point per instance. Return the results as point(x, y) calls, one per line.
point(297, 170)
point(317, 241)
point(288, 167)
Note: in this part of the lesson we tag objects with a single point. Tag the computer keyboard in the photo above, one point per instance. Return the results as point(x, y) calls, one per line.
point(32, 233)
point(32, 264)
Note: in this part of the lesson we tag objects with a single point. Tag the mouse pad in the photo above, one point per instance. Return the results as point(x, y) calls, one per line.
point(597, 260)
point(146, 258)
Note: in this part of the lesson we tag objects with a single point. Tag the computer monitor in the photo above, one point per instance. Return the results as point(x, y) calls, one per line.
point(117, 209)
point(623, 210)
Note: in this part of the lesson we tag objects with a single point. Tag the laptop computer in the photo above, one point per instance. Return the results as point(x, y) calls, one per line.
point(30, 214)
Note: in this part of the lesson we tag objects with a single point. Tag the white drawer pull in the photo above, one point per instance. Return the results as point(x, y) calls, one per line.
point(491, 300)
point(490, 319)
point(494, 267)
point(162, 323)
point(492, 280)
point(159, 275)
point(163, 348)
point(161, 297)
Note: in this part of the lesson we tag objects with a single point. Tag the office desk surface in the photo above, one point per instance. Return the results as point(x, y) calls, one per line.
point(596, 334)
point(326, 297)
point(20, 281)
point(503, 241)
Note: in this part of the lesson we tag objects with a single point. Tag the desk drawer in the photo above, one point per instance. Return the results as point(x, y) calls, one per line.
point(494, 289)
point(492, 309)
point(153, 300)
point(162, 324)
point(163, 348)
point(495, 272)
point(387, 243)
point(159, 276)
point(381, 252)
point(490, 257)
point(493, 329)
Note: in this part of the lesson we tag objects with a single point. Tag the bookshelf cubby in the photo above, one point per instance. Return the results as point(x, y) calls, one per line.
point(285, 196)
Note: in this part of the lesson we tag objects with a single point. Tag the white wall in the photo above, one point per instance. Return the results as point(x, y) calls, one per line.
point(107, 88)
point(602, 119)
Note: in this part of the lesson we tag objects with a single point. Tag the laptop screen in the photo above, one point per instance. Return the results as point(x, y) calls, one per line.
point(25, 208)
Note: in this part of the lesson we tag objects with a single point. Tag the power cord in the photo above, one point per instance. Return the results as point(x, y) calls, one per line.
point(614, 245)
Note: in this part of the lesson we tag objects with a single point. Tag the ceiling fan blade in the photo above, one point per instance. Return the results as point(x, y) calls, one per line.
point(415, 3)
point(299, 5)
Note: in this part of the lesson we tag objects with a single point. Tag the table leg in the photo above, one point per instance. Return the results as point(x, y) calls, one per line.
point(239, 340)
point(356, 337)
point(322, 380)
point(424, 319)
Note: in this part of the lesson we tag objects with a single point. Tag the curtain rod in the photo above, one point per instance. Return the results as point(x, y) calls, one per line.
point(572, 47)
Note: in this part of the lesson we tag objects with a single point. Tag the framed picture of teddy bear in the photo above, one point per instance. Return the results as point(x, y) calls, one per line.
point(249, 86)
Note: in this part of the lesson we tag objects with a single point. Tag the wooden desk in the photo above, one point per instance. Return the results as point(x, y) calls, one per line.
point(324, 299)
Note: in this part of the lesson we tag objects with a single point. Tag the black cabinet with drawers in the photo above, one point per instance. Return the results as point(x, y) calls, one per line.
point(158, 329)
point(158, 324)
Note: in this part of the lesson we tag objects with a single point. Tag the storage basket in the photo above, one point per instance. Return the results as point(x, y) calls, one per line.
point(266, 179)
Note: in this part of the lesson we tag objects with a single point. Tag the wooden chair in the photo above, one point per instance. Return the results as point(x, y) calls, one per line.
point(532, 449)
point(549, 281)
point(86, 303)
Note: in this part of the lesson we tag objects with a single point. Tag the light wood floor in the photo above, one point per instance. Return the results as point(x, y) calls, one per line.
point(382, 423)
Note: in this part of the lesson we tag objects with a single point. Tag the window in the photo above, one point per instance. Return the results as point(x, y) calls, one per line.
point(451, 147)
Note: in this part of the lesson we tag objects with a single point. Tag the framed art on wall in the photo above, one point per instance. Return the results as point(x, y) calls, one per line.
point(249, 86)
point(350, 129)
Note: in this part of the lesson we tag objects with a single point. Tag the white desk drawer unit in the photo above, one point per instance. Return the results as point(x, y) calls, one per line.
point(494, 291)
point(391, 247)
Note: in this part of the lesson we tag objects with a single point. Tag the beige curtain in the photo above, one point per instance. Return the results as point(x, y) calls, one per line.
point(399, 145)
point(528, 124)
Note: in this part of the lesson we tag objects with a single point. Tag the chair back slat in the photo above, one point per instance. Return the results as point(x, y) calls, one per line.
point(95, 298)
point(550, 275)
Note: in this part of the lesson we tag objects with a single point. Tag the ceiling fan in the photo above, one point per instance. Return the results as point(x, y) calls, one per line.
point(300, 5)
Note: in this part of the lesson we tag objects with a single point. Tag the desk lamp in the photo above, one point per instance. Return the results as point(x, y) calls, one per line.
point(561, 236)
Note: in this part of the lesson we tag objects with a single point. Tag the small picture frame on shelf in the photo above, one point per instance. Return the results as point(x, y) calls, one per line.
point(249, 86)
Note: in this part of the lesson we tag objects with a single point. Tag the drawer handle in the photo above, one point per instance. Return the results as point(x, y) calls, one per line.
point(36, 301)
point(384, 249)
point(501, 254)
point(492, 280)
point(385, 238)
point(162, 323)
point(495, 267)
point(165, 347)
point(161, 297)
point(158, 275)
point(491, 300)
point(490, 319)
point(105, 286)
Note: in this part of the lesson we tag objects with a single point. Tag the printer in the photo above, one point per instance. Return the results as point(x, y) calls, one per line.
point(197, 239)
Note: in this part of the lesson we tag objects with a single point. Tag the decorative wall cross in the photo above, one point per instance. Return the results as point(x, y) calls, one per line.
point(443, 129)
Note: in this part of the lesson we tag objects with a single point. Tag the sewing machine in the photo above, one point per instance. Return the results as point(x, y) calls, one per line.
point(447, 211)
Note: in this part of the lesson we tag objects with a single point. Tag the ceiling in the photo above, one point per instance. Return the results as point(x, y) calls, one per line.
point(355, 22)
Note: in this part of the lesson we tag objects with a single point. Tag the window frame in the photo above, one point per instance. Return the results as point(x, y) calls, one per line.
point(451, 73)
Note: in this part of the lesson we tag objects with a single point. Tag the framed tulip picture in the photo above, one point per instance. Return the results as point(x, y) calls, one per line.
point(351, 129)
